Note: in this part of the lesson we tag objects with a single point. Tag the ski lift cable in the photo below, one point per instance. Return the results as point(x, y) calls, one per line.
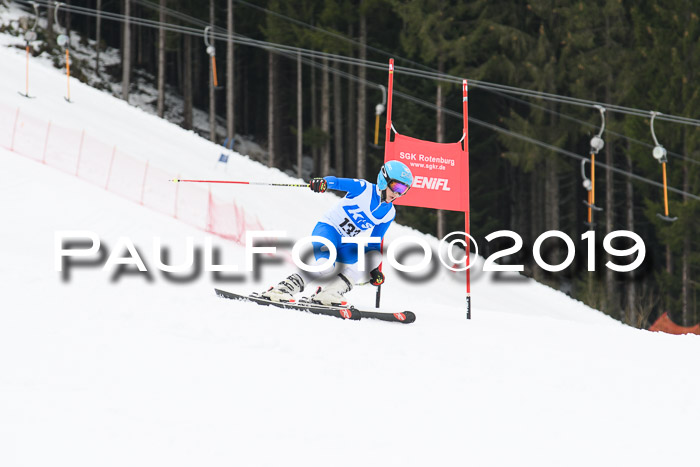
point(288, 49)
point(544, 145)
point(237, 38)
point(193, 20)
point(505, 131)
point(607, 131)
point(335, 35)
point(412, 71)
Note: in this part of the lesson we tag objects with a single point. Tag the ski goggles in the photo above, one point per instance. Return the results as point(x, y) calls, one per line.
point(398, 187)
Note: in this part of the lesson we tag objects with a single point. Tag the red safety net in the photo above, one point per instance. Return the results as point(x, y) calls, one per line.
point(76, 152)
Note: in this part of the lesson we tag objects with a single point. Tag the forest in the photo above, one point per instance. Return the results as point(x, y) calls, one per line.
point(303, 79)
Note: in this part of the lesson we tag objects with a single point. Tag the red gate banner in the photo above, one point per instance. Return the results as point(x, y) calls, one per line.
point(438, 172)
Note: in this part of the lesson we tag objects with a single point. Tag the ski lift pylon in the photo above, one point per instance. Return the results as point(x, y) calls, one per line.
point(63, 40)
point(378, 110)
point(659, 153)
point(211, 51)
point(29, 36)
point(597, 143)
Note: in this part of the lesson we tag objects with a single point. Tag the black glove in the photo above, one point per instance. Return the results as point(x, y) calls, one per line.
point(376, 277)
point(319, 185)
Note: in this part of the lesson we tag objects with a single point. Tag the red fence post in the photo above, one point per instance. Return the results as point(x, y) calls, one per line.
point(46, 142)
point(143, 185)
point(210, 222)
point(14, 130)
point(177, 191)
point(111, 162)
point(80, 152)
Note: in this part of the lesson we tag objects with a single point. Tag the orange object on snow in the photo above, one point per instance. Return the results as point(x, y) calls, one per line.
point(664, 324)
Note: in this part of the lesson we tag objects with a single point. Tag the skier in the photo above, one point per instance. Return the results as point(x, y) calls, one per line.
point(365, 206)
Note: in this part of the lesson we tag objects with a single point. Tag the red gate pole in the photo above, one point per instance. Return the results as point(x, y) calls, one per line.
point(388, 102)
point(466, 208)
point(386, 147)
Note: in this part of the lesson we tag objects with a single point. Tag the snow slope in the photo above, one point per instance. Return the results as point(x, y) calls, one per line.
point(144, 371)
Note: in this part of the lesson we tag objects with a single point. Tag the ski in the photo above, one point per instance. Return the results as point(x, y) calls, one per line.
point(350, 312)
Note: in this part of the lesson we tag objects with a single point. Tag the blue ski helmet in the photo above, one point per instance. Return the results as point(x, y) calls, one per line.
point(395, 175)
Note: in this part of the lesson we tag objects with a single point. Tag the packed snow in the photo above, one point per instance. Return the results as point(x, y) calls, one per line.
point(113, 367)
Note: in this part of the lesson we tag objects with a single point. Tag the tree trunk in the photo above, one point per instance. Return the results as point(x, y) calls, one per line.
point(338, 124)
point(611, 295)
point(230, 89)
point(126, 52)
point(632, 317)
point(362, 103)
point(50, 35)
point(161, 60)
point(196, 77)
point(612, 304)
point(271, 123)
point(212, 92)
point(139, 38)
point(314, 120)
point(536, 220)
point(187, 83)
point(300, 121)
point(325, 120)
point(351, 134)
point(440, 138)
point(98, 33)
point(245, 97)
point(686, 286)
point(551, 205)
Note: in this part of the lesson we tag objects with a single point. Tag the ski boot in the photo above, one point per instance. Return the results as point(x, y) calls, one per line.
point(331, 294)
point(285, 290)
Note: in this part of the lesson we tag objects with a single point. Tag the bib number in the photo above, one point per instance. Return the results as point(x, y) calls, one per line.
point(349, 228)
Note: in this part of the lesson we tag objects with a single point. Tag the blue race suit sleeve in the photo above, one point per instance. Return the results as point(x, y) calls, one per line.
point(353, 186)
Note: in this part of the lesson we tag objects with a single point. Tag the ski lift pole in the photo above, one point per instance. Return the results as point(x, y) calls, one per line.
point(212, 53)
point(378, 110)
point(597, 144)
point(62, 41)
point(29, 36)
point(659, 153)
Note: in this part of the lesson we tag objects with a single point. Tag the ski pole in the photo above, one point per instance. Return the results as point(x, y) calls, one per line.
point(179, 180)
